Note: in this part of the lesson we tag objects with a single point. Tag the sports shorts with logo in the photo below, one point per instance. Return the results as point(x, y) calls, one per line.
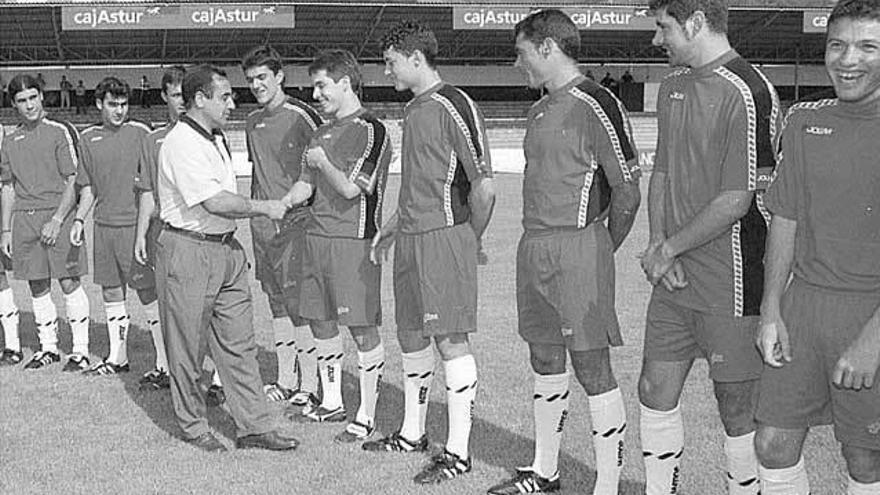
point(339, 282)
point(674, 332)
point(114, 248)
point(435, 281)
point(278, 251)
point(821, 325)
point(33, 260)
point(565, 288)
point(142, 277)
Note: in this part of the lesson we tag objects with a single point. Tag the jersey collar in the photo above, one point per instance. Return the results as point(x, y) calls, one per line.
point(199, 129)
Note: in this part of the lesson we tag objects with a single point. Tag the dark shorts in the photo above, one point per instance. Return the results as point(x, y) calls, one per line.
point(339, 283)
point(821, 325)
point(32, 260)
point(278, 253)
point(435, 281)
point(114, 249)
point(565, 288)
point(677, 333)
point(143, 277)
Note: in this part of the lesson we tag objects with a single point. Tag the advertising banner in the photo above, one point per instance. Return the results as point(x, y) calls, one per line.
point(586, 18)
point(180, 16)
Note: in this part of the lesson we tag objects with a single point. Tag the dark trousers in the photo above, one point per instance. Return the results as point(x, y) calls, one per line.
point(205, 301)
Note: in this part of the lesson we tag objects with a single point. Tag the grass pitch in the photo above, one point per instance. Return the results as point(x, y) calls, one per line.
point(62, 433)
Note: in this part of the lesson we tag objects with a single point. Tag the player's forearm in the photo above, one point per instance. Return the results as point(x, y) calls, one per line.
point(68, 198)
point(298, 194)
point(86, 201)
point(482, 202)
point(718, 216)
point(656, 206)
point(390, 226)
point(777, 263)
point(625, 199)
point(339, 182)
point(146, 207)
point(234, 206)
point(7, 203)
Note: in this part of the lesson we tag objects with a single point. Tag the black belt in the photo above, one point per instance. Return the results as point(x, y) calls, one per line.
point(224, 238)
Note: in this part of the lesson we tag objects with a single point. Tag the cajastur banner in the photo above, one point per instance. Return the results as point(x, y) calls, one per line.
point(181, 16)
point(585, 18)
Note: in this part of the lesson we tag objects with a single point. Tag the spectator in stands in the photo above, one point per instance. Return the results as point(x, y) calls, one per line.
point(65, 92)
point(611, 83)
point(41, 80)
point(80, 93)
point(145, 92)
point(627, 78)
point(589, 75)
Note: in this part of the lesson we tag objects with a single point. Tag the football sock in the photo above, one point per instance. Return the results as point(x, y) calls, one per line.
point(609, 423)
point(461, 388)
point(285, 350)
point(151, 311)
point(786, 481)
point(211, 368)
point(117, 327)
point(662, 447)
point(853, 487)
point(330, 367)
point(307, 354)
point(9, 319)
point(370, 366)
point(551, 409)
point(742, 465)
point(46, 319)
point(77, 304)
point(418, 373)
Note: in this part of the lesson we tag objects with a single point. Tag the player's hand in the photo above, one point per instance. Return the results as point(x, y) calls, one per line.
point(316, 157)
point(50, 230)
point(675, 278)
point(773, 342)
point(380, 246)
point(275, 209)
point(6, 243)
point(857, 366)
point(140, 250)
point(656, 261)
point(76, 234)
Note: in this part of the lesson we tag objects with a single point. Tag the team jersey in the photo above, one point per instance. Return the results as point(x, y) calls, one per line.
point(359, 146)
point(578, 145)
point(148, 166)
point(109, 165)
point(444, 149)
point(717, 131)
point(38, 158)
point(276, 140)
point(828, 181)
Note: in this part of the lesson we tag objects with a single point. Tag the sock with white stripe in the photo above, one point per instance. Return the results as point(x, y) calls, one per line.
point(418, 373)
point(285, 350)
point(330, 355)
point(786, 481)
point(662, 448)
point(742, 465)
point(151, 311)
point(609, 423)
point(117, 328)
point(370, 366)
point(9, 319)
point(551, 400)
point(461, 389)
point(46, 319)
point(307, 356)
point(853, 487)
point(77, 305)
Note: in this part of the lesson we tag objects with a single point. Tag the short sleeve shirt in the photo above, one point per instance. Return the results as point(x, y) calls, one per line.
point(359, 146)
point(828, 181)
point(194, 165)
point(444, 149)
point(109, 166)
point(38, 159)
point(718, 129)
point(578, 145)
point(276, 140)
point(147, 174)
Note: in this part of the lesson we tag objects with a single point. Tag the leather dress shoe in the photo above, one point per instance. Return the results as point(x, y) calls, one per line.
point(207, 442)
point(271, 440)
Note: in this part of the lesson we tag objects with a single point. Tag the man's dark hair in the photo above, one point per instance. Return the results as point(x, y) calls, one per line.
point(113, 86)
point(173, 75)
point(682, 10)
point(408, 36)
point(201, 79)
point(338, 64)
point(262, 55)
point(22, 82)
point(855, 9)
point(554, 24)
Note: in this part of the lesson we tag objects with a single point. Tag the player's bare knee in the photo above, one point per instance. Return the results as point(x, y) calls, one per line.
point(147, 296)
point(777, 448)
point(736, 406)
point(593, 370)
point(862, 464)
point(113, 294)
point(452, 346)
point(323, 330)
point(547, 359)
point(411, 341)
point(656, 393)
point(39, 287)
point(69, 284)
point(366, 338)
point(4, 282)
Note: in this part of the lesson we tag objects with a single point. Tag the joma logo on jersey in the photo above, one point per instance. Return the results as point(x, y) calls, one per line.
point(675, 95)
point(430, 317)
point(97, 138)
point(819, 131)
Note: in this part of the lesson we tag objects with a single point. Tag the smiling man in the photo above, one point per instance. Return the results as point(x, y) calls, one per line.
point(718, 123)
point(277, 135)
point(820, 332)
point(345, 168)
